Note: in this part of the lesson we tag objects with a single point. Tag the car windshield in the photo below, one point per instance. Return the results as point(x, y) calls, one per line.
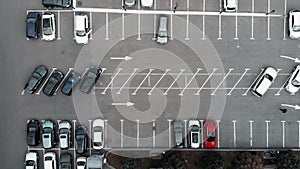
point(296, 28)
point(296, 83)
point(80, 33)
point(92, 75)
point(32, 20)
point(80, 163)
point(97, 144)
point(268, 77)
point(30, 163)
point(32, 81)
point(32, 129)
point(210, 136)
point(47, 26)
point(129, 1)
point(63, 136)
point(46, 136)
point(195, 128)
point(48, 158)
point(98, 129)
point(195, 137)
point(162, 34)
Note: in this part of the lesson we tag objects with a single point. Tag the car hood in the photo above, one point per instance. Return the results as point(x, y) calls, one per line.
point(82, 39)
point(210, 144)
point(264, 86)
point(147, 3)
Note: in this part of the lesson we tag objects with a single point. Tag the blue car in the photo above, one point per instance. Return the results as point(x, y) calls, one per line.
point(32, 25)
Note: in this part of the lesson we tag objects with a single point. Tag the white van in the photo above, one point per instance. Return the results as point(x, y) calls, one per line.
point(162, 34)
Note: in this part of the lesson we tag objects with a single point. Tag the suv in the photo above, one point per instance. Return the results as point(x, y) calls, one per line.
point(33, 132)
point(264, 81)
point(32, 25)
point(39, 74)
point(48, 26)
point(230, 5)
point(90, 79)
point(64, 130)
point(81, 139)
point(56, 3)
point(294, 24)
point(95, 161)
point(65, 161)
point(50, 160)
point(293, 83)
point(53, 82)
point(31, 159)
point(48, 135)
point(178, 130)
point(81, 29)
point(98, 134)
point(194, 131)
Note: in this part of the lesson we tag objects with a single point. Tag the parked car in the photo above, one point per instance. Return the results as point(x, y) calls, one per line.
point(293, 84)
point(81, 139)
point(264, 81)
point(129, 3)
point(70, 83)
point(33, 132)
point(48, 27)
point(194, 133)
point(230, 5)
point(48, 135)
point(65, 161)
point(56, 3)
point(210, 133)
point(39, 74)
point(53, 82)
point(98, 134)
point(32, 25)
point(147, 3)
point(162, 33)
point(50, 160)
point(64, 130)
point(90, 79)
point(81, 29)
point(178, 130)
point(81, 162)
point(31, 160)
point(95, 161)
point(294, 24)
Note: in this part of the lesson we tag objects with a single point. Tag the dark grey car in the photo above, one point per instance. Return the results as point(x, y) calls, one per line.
point(178, 132)
point(38, 75)
point(65, 161)
point(53, 82)
point(90, 79)
point(81, 139)
point(71, 81)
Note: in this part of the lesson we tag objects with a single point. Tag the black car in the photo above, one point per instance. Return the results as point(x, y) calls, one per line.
point(32, 25)
point(38, 75)
point(81, 139)
point(71, 81)
point(90, 79)
point(65, 161)
point(53, 82)
point(56, 3)
point(33, 132)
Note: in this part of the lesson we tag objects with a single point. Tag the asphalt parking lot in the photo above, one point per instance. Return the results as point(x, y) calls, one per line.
point(204, 72)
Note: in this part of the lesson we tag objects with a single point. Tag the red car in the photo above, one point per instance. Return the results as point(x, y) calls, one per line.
point(210, 133)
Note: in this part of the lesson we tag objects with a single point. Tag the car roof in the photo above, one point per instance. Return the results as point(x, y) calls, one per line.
point(79, 22)
point(263, 86)
point(231, 3)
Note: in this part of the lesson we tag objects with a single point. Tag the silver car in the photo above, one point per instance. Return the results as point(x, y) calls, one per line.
point(98, 134)
point(293, 84)
point(64, 130)
point(48, 135)
point(178, 133)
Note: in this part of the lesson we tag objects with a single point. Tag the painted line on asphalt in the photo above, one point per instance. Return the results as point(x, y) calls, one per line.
point(166, 71)
point(85, 71)
point(139, 26)
point(153, 132)
point(187, 28)
point(252, 20)
point(284, 20)
point(170, 143)
point(246, 70)
point(90, 137)
point(282, 87)
point(122, 131)
point(111, 81)
point(134, 93)
point(251, 132)
point(268, 20)
point(298, 134)
point(267, 130)
point(23, 91)
point(218, 131)
point(245, 94)
point(202, 127)
point(106, 26)
point(44, 83)
point(193, 77)
point(65, 77)
point(74, 142)
point(137, 133)
point(171, 24)
point(236, 26)
point(105, 131)
point(283, 133)
point(210, 75)
point(149, 81)
point(214, 92)
point(234, 133)
point(203, 26)
point(220, 28)
point(154, 22)
point(131, 75)
point(123, 26)
point(185, 134)
point(58, 26)
point(91, 25)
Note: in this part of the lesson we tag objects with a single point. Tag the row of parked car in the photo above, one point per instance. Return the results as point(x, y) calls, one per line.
point(46, 133)
point(65, 162)
point(57, 77)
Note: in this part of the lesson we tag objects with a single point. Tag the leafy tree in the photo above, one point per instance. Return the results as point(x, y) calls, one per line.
point(174, 161)
point(212, 160)
point(130, 163)
point(287, 160)
point(243, 160)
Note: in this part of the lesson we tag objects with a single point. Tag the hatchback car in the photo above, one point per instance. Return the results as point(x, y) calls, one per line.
point(81, 139)
point(32, 25)
point(50, 160)
point(129, 3)
point(178, 130)
point(293, 84)
point(81, 29)
point(294, 24)
point(69, 84)
point(264, 81)
point(194, 133)
point(33, 132)
point(90, 79)
point(210, 133)
point(65, 161)
point(39, 74)
point(31, 160)
point(230, 5)
point(147, 3)
point(48, 135)
point(81, 162)
point(98, 134)
point(48, 26)
point(53, 82)
point(64, 131)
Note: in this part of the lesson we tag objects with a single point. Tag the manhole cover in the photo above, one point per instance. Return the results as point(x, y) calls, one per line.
point(79, 3)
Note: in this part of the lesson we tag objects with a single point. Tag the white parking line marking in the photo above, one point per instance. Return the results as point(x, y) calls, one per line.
point(74, 142)
point(58, 26)
point(171, 4)
point(185, 134)
point(236, 26)
point(220, 28)
point(138, 133)
point(59, 153)
point(85, 71)
point(214, 92)
point(122, 121)
point(74, 32)
point(106, 26)
point(252, 21)
point(105, 131)
point(131, 75)
point(90, 137)
point(111, 81)
point(123, 26)
point(245, 94)
point(53, 69)
point(139, 27)
point(202, 127)
point(210, 75)
point(283, 134)
point(269, 8)
point(23, 91)
point(188, 4)
point(234, 133)
point(166, 71)
point(139, 5)
point(298, 133)
point(218, 131)
point(153, 132)
point(171, 24)
point(170, 144)
point(267, 130)
point(246, 70)
point(284, 20)
point(149, 81)
point(154, 22)
point(193, 77)
point(251, 134)
point(65, 77)
point(282, 87)
point(203, 26)
point(187, 28)
point(91, 25)
point(134, 93)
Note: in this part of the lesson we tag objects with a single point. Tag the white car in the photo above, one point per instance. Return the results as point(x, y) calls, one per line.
point(81, 29)
point(294, 24)
point(48, 27)
point(98, 134)
point(264, 81)
point(194, 133)
point(81, 162)
point(147, 3)
point(31, 159)
point(64, 131)
point(50, 160)
point(129, 3)
point(230, 5)
point(293, 84)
